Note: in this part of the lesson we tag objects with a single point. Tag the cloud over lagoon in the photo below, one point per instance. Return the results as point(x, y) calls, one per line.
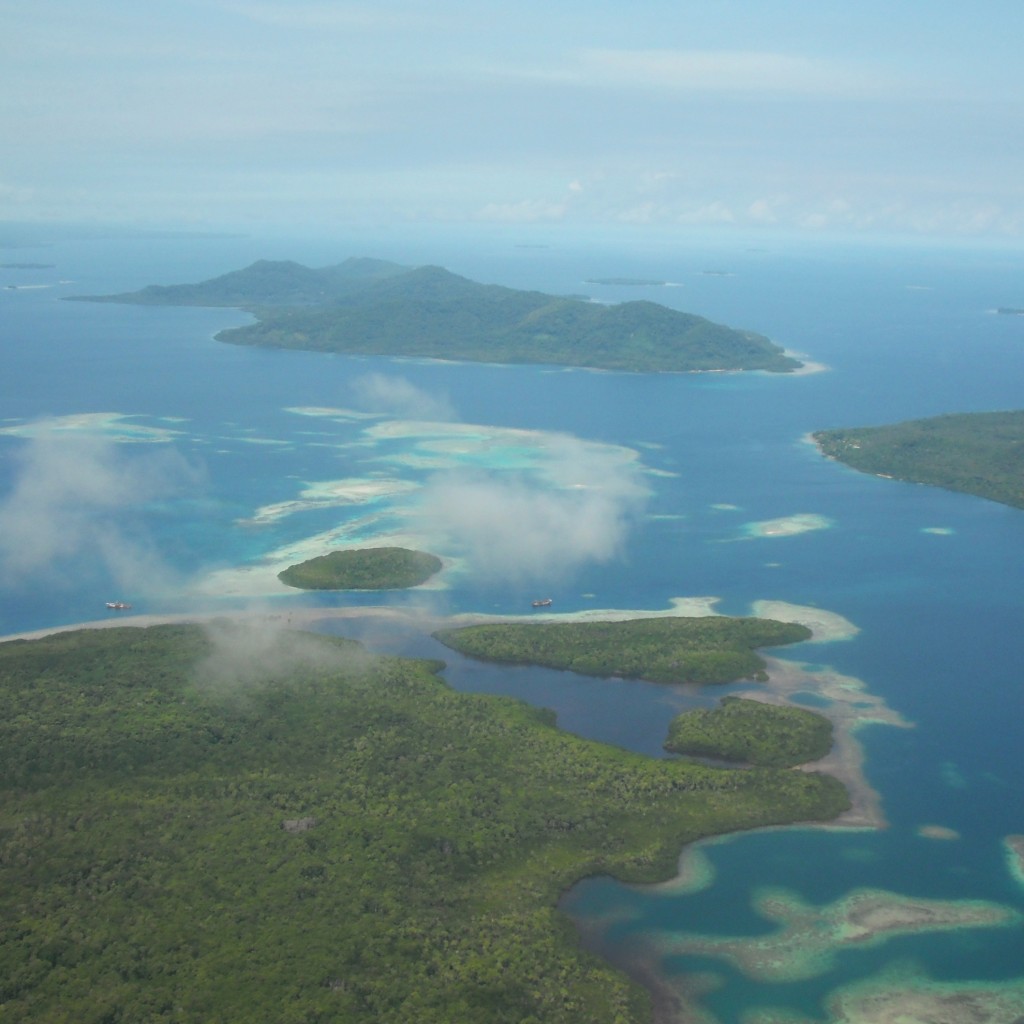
point(577, 506)
point(71, 509)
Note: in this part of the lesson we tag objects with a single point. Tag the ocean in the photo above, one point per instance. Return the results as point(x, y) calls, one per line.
point(141, 460)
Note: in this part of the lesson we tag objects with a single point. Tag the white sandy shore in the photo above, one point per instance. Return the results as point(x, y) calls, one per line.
point(421, 619)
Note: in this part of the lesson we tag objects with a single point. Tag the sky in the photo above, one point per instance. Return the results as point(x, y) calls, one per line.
point(812, 116)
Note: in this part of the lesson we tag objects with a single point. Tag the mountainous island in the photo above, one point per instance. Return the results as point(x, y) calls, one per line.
point(375, 307)
point(978, 453)
point(239, 823)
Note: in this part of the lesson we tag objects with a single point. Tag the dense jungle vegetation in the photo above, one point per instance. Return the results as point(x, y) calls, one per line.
point(232, 825)
point(979, 453)
point(372, 307)
point(363, 569)
point(705, 649)
point(753, 732)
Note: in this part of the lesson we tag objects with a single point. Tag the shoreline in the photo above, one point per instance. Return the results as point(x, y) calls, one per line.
point(849, 705)
point(850, 708)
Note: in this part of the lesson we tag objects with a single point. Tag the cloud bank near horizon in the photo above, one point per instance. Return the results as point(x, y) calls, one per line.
point(314, 115)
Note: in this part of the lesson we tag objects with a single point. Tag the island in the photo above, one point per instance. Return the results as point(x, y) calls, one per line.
point(1010, 311)
point(630, 281)
point(384, 568)
point(753, 732)
point(671, 649)
point(27, 266)
point(979, 453)
point(241, 822)
point(375, 307)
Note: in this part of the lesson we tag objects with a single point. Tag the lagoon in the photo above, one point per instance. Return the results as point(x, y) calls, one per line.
point(224, 461)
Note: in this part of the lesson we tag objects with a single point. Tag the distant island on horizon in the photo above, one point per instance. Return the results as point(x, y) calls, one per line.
point(636, 281)
point(979, 453)
point(374, 307)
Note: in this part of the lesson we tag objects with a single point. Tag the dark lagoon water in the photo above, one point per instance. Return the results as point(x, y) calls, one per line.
point(142, 460)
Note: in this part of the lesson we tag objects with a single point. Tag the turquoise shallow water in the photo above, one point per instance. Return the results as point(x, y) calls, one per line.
point(931, 579)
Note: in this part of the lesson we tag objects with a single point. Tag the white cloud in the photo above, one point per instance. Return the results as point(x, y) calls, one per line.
point(727, 71)
point(399, 397)
point(249, 653)
point(578, 508)
point(320, 16)
point(72, 509)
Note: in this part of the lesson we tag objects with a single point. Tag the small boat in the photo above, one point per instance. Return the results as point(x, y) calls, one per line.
point(118, 606)
point(544, 602)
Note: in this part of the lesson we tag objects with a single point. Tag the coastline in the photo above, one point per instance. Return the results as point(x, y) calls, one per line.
point(849, 705)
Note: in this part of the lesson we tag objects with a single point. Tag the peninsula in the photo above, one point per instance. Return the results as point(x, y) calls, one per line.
point(978, 453)
point(706, 649)
point(363, 569)
point(242, 823)
point(374, 307)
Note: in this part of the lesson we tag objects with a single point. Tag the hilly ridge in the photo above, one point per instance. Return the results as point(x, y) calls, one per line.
point(375, 307)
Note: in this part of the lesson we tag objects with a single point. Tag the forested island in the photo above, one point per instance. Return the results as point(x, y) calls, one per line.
point(704, 649)
point(236, 824)
point(385, 568)
point(979, 453)
point(753, 732)
point(374, 307)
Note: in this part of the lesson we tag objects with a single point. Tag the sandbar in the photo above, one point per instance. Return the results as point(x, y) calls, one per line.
point(1014, 849)
point(332, 494)
point(849, 707)
point(806, 367)
point(113, 426)
point(825, 626)
point(899, 998)
point(938, 832)
point(788, 526)
point(327, 412)
point(807, 939)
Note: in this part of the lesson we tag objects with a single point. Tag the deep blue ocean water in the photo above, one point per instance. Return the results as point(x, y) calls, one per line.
point(905, 331)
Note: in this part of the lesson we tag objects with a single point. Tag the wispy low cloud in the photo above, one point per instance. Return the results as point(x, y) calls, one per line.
point(248, 653)
point(578, 507)
point(320, 16)
point(72, 506)
point(398, 396)
point(729, 71)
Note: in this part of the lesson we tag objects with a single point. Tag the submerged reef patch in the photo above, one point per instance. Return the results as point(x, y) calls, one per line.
point(808, 937)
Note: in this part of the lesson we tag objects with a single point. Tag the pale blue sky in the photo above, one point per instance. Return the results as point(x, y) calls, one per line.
point(812, 115)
